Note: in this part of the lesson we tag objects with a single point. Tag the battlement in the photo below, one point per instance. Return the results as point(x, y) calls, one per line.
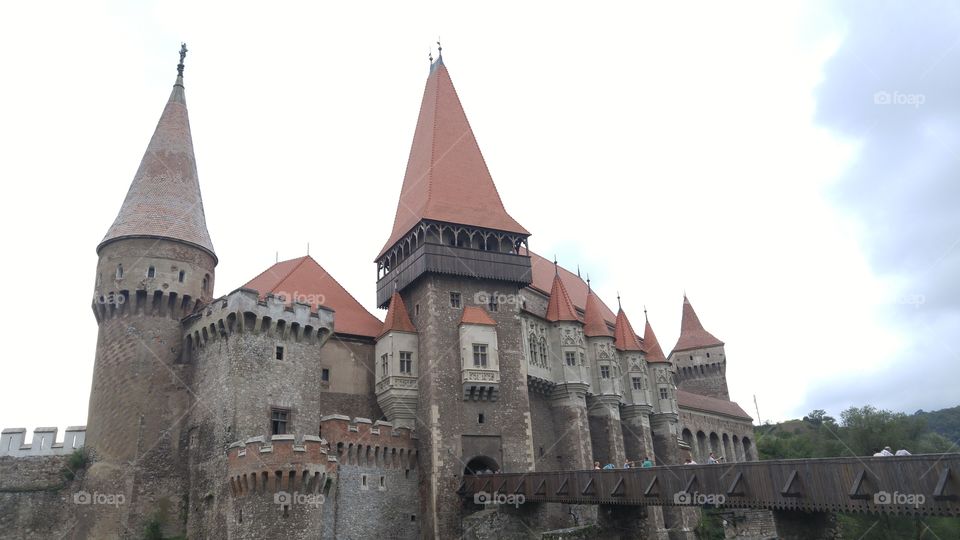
point(279, 463)
point(364, 443)
point(244, 311)
point(44, 441)
point(157, 303)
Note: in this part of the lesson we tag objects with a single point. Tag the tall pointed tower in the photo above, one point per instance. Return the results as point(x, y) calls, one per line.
point(699, 358)
point(604, 405)
point(156, 265)
point(457, 258)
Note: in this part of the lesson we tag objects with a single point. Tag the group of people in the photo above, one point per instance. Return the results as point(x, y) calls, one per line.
point(887, 452)
point(645, 463)
point(711, 459)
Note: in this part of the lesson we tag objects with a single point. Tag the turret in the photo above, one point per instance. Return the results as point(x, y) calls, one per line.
point(397, 354)
point(603, 406)
point(699, 358)
point(156, 265)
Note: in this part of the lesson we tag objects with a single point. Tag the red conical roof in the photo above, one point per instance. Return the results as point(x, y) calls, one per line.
point(593, 323)
point(560, 307)
point(625, 339)
point(397, 317)
point(304, 280)
point(447, 178)
point(164, 198)
point(651, 346)
point(692, 334)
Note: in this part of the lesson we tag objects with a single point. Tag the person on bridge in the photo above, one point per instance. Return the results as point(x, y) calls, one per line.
point(712, 459)
point(903, 452)
point(609, 466)
point(883, 453)
point(596, 465)
point(689, 462)
point(647, 463)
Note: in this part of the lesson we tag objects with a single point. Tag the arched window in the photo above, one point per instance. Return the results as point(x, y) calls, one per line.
point(533, 349)
point(543, 351)
point(151, 272)
point(205, 283)
point(183, 274)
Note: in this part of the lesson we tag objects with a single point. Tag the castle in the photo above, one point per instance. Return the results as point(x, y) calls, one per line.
point(286, 410)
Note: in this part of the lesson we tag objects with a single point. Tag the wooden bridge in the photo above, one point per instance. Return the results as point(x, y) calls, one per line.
point(926, 484)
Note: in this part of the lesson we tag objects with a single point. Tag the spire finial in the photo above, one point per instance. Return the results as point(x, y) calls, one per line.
point(578, 269)
point(645, 312)
point(430, 56)
point(588, 282)
point(308, 249)
point(618, 301)
point(439, 49)
point(556, 268)
point(183, 54)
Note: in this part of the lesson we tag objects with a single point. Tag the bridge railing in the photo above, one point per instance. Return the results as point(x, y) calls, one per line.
point(926, 484)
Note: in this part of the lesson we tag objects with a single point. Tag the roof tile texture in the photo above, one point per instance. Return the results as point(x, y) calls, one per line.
point(692, 333)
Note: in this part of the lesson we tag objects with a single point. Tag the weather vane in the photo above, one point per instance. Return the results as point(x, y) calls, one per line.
point(439, 49)
point(183, 54)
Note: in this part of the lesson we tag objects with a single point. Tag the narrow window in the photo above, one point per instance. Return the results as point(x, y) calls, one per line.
point(480, 418)
point(636, 384)
point(583, 359)
point(708, 355)
point(206, 283)
point(119, 271)
point(541, 451)
point(416, 309)
point(570, 357)
point(413, 517)
point(279, 419)
point(279, 352)
point(384, 364)
point(325, 375)
point(151, 272)
point(663, 393)
point(406, 362)
point(479, 355)
point(383, 482)
point(406, 473)
point(363, 481)
point(492, 304)
point(543, 351)
point(455, 300)
point(533, 349)
point(691, 358)
point(605, 372)
point(181, 275)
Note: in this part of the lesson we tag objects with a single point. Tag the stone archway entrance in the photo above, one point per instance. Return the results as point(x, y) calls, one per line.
point(481, 465)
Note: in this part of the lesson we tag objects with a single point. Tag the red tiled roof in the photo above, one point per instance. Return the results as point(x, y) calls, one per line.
point(447, 178)
point(692, 334)
point(651, 346)
point(397, 317)
point(625, 339)
point(593, 323)
point(476, 315)
point(164, 198)
point(544, 271)
point(304, 280)
point(560, 307)
point(688, 400)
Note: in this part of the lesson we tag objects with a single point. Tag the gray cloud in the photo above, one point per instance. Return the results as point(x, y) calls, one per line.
point(894, 88)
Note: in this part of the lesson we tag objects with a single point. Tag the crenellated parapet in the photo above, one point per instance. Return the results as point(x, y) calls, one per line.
point(44, 441)
point(362, 442)
point(243, 311)
point(142, 302)
point(288, 463)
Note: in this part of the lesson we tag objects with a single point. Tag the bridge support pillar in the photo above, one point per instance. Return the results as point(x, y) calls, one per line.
point(798, 525)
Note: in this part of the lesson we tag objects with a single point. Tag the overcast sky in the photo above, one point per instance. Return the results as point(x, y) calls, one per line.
point(792, 166)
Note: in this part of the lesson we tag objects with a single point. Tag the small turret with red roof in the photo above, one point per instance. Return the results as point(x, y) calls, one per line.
point(699, 358)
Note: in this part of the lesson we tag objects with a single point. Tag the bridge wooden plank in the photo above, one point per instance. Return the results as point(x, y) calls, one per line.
point(856, 489)
point(736, 489)
point(792, 487)
point(940, 492)
point(619, 490)
point(653, 489)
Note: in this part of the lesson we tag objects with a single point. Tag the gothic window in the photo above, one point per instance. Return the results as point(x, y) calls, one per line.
point(455, 300)
point(384, 364)
point(637, 383)
point(406, 362)
point(279, 419)
point(479, 355)
point(543, 351)
point(570, 357)
point(533, 349)
point(664, 394)
point(605, 372)
point(151, 272)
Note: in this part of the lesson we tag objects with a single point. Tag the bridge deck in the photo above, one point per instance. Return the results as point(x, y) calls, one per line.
point(914, 485)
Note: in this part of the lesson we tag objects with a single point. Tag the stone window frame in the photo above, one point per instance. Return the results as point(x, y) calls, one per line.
point(406, 362)
point(384, 365)
point(287, 420)
point(279, 351)
point(456, 300)
point(664, 392)
point(604, 371)
point(481, 358)
point(570, 358)
point(637, 383)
